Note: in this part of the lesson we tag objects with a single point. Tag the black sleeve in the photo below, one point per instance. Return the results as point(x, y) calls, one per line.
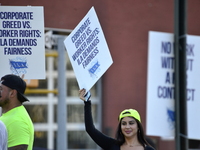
point(99, 138)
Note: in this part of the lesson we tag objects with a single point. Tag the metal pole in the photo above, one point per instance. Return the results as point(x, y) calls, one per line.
point(180, 75)
point(61, 108)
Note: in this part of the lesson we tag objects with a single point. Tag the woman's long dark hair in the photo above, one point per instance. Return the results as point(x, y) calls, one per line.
point(140, 134)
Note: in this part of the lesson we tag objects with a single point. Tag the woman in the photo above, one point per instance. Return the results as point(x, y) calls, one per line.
point(129, 136)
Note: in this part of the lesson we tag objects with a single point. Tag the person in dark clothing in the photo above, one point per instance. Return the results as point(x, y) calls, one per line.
point(129, 136)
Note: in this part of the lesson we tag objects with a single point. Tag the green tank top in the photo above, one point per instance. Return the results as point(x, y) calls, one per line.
point(19, 127)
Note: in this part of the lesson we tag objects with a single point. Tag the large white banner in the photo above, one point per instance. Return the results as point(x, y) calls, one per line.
point(88, 51)
point(160, 88)
point(22, 50)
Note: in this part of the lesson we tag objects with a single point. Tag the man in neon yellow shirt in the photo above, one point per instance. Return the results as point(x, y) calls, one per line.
point(15, 117)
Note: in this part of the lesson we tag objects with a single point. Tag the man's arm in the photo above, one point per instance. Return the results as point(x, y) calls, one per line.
point(18, 147)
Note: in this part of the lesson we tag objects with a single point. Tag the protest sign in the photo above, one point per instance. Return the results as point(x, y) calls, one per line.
point(160, 87)
point(88, 51)
point(193, 86)
point(22, 50)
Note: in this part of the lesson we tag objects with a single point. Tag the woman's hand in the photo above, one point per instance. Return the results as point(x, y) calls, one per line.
point(81, 94)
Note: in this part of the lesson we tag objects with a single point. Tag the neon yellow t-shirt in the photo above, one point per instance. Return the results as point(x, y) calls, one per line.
point(19, 127)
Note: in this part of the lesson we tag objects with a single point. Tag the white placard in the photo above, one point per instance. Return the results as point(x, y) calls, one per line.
point(160, 88)
point(88, 51)
point(193, 86)
point(22, 49)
